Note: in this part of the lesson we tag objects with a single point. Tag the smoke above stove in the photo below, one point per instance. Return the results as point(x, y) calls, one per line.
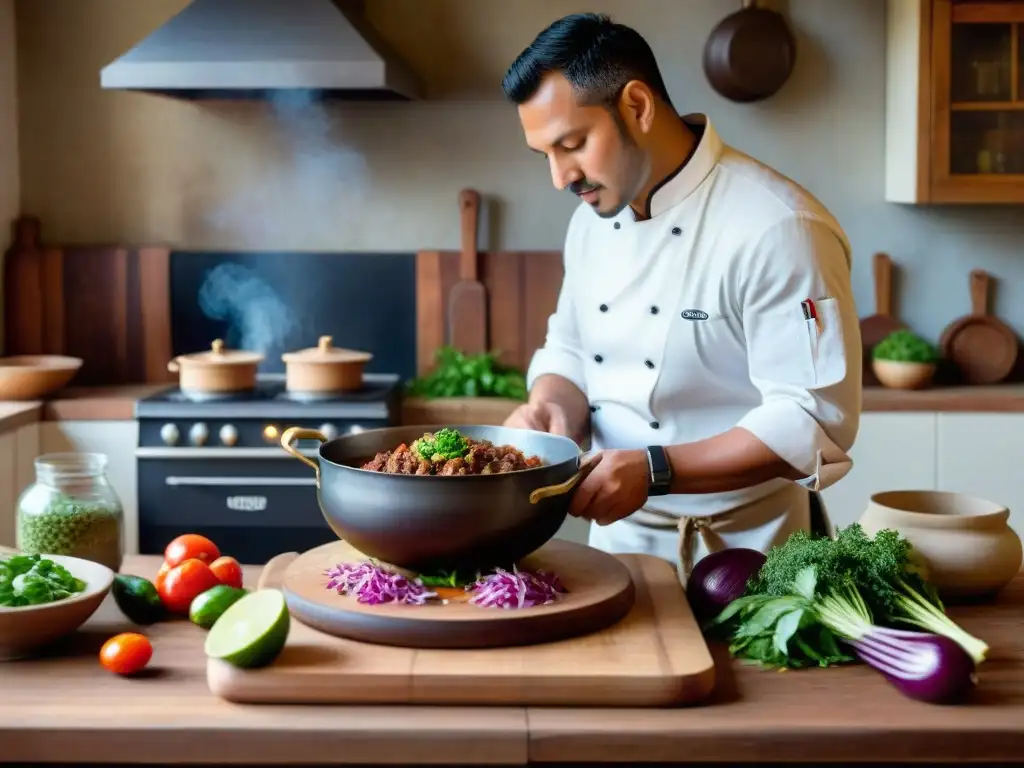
point(257, 317)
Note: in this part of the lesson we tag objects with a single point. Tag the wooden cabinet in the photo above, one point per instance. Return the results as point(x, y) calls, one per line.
point(955, 101)
point(116, 439)
point(18, 450)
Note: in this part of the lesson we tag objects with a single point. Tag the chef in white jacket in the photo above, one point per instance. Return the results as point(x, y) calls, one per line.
point(706, 339)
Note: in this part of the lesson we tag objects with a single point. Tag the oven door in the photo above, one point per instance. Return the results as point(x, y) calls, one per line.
point(253, 507)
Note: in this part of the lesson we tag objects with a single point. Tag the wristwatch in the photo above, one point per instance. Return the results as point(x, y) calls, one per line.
point(661, 471)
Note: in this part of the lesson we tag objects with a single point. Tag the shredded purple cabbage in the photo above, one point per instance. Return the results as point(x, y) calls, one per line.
point(371, 584)
point(515, 589)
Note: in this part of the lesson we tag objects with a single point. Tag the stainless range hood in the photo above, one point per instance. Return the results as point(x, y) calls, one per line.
point(253, 49)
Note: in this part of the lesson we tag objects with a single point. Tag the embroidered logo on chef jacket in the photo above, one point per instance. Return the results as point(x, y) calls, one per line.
point(694, 314)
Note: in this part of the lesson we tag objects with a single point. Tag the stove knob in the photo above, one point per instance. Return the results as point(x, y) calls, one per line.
point(169, 434)
point(329, 431)
point(199, 433)
point(228, 435)
point(355, 429)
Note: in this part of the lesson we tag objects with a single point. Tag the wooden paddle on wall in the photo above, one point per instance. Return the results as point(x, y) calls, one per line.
point(467, 313)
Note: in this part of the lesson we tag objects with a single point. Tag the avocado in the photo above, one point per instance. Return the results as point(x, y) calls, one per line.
point(138, 599)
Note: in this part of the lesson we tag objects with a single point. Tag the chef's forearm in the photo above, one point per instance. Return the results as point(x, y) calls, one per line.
point(727, 462)
point(552, 388)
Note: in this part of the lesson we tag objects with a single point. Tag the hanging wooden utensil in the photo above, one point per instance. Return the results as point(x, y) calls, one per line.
point(467, 303)
point(879, 325)
point(983, 347)
point(750, 55)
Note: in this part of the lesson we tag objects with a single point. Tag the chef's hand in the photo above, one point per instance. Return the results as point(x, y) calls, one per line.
point(615, 487)
point(542, 417)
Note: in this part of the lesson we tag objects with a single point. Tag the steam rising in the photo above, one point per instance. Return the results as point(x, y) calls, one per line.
point(258, 319)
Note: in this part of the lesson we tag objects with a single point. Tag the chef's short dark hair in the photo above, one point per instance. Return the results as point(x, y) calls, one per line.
point(597, 56)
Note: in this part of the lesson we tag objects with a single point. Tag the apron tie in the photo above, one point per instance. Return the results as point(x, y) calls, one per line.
point(688, 526)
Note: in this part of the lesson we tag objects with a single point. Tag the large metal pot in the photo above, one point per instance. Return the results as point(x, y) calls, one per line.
point(430, 522)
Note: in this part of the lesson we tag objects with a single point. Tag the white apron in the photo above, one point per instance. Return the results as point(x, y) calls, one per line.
point(683, 326)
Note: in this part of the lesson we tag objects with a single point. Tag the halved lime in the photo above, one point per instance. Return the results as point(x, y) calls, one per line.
point(252, 631)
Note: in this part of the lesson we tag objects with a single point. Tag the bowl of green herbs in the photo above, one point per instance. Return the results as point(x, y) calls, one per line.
point(44, 598)
point(904, 360)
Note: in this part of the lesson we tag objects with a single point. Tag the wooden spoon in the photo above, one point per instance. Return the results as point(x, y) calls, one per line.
point(467, 303)
point(875, 328)
point(983, 347)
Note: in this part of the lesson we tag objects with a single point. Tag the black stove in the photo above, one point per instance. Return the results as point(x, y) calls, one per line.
point(215, 466)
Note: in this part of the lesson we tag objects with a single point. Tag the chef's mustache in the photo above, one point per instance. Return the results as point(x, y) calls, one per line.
point(582, 186)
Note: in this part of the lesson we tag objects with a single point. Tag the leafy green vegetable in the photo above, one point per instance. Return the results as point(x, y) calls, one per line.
point(458, 375)
point(442, 445)
point(853, 567)
point(905, 346)
point(31, 580)
point(453, 579)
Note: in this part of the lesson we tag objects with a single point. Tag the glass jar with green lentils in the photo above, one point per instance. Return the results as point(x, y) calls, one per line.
point(72, 509)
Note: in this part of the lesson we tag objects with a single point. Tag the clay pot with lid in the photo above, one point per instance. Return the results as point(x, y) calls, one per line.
point(324, 369)
point(217, 371)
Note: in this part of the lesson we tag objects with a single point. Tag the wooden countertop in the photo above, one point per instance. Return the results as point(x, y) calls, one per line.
point(66, 708)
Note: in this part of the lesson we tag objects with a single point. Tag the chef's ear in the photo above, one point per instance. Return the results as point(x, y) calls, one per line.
point(637, 104)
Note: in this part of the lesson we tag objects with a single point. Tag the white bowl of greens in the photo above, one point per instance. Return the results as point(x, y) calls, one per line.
point(44, 598)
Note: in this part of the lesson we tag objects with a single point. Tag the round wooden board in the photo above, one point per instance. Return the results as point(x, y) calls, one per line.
point(600, 592)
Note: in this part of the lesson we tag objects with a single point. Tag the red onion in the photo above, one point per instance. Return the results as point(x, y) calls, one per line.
point(374, 585)
point(515, 589)
point(721, 577)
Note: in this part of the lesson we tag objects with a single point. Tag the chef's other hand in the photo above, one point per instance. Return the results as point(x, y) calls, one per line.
point(542, 417)
point(615, 488)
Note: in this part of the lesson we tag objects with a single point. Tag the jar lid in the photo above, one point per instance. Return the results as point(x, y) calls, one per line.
point(218, 355)
point(326, 352)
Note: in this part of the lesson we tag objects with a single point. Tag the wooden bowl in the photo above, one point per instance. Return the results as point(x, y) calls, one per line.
point(25, 630)
point(899, 375)
point(966, 543)
point(32, 377)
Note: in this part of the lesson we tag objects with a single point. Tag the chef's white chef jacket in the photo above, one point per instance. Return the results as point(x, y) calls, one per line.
point(687, 324)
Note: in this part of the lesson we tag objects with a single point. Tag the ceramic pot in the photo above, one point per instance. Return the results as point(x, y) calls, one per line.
point(324, 370)
point(428, 522)
point(219, 371)
point(965, 542)
point(900, 375)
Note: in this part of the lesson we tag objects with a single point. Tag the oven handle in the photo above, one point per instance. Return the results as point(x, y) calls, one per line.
point(215, 453)
point(239, 481)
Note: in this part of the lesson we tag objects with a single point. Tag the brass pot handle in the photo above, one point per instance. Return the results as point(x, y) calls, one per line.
point(301, 433)
point(546, 492)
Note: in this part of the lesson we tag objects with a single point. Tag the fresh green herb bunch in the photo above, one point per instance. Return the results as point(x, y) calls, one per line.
point(445, 444)
point(31, 580)
point(459, 375)
point(905, 346)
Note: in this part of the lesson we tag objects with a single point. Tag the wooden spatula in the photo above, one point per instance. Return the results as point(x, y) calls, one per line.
point(467, 303)
point(879, 325)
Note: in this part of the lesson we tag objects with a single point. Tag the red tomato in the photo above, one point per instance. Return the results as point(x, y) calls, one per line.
point(126, 654)
point(190, 546)
point(183, 582)
point(228, 571)
point(158, 582)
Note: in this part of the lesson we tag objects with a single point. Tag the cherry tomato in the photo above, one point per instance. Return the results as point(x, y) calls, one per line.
point(183, 582)
point(190, 546)
point(127, 653)
point(160, 576)
point(228, 571)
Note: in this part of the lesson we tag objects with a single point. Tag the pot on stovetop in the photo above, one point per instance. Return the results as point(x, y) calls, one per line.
point(430, 522)
point(324, 370)
point(217, 372)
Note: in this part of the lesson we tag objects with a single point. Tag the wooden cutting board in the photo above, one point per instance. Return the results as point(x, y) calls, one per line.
point(656, 656)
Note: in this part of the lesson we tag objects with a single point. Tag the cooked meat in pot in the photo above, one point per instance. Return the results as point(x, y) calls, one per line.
point(448, 453)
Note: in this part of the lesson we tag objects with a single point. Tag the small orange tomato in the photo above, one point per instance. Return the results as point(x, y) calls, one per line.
point(190, 546)
point(160, 576)
point(228, 571)
point(183, 582)
point(126, 654)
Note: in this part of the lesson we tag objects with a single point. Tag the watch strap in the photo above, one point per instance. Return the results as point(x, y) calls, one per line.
point(661, 471)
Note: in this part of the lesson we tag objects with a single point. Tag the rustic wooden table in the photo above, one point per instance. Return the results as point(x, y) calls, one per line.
point(65, 708)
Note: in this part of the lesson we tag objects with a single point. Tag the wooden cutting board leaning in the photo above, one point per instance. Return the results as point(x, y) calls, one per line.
point(654, 656)
point(876, 327)
point(981, 346)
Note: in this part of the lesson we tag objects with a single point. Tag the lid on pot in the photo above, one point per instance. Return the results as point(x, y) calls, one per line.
point(218, 355)
point(326, 352)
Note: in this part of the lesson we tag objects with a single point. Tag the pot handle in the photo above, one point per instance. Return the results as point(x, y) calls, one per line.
point(546, 492)
point(301, 433)
point(172, 365)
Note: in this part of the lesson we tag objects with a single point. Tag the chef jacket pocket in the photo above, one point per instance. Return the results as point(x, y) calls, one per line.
point(787, 348)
